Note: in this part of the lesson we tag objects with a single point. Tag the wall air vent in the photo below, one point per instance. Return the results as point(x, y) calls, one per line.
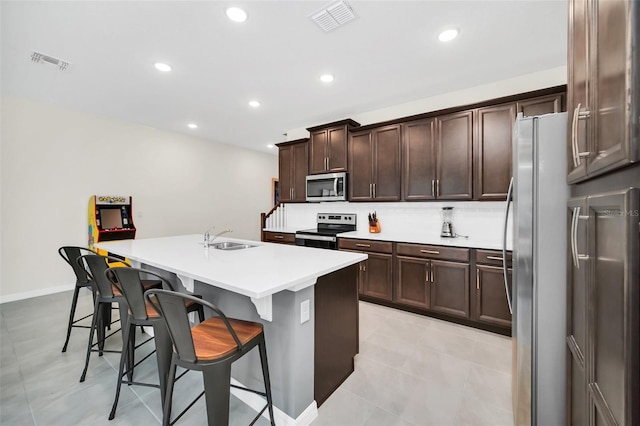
point(46, 59)
point(333, 16)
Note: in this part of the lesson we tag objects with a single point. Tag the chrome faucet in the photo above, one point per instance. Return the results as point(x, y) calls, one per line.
point(208, 240)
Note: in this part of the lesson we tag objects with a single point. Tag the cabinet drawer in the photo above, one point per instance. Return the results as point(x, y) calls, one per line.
point(433, 252)
point(365, 245)
point(280, 237)
point(491, 257)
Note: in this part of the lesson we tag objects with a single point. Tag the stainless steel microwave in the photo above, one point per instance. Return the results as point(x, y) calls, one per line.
point(327, 187)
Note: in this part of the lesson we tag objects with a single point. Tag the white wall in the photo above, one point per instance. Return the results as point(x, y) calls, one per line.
point(513, 86)
point(54, 159)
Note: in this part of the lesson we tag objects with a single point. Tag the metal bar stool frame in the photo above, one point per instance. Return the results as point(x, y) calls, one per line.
point(70, 255)
point(105, 296)
point(141, 314)
point(217, 371)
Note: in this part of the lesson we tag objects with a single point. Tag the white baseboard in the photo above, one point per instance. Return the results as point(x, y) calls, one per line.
point(281, 418)
point(34, 293)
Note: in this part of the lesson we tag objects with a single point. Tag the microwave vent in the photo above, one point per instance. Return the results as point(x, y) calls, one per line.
point(41, 58)
point(333, 16)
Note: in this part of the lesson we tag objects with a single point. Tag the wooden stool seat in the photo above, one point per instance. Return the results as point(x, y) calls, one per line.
point(211, 339)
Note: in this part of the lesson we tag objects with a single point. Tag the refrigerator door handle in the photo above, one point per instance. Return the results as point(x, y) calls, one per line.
point(505, 272)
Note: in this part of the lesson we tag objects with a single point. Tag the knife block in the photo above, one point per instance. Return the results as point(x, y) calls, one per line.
point(374, 229)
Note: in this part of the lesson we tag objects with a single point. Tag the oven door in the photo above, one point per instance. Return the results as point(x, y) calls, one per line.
point(318, 241)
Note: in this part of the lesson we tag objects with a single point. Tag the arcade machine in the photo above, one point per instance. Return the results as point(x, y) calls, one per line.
point(110, 219)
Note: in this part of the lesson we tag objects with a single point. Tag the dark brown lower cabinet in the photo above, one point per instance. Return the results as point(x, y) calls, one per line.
point(603, 337)
point(450, 288)
point(491, 305)
point(413, 283)
point(376, 273)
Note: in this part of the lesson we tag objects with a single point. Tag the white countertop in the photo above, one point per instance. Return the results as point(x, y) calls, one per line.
point(421, 237)
point(256, 272)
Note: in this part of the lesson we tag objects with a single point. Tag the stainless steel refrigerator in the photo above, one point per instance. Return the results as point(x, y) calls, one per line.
point(537, 292)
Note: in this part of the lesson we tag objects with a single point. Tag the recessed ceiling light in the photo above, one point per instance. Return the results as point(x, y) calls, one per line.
point(236, 14)
point(326, 78)
point(162, 67)
point(271, 146)
point(254, 104)
point(448, 35)
point(192, 125)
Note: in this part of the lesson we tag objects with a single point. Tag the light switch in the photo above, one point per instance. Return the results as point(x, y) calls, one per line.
point(304, 311)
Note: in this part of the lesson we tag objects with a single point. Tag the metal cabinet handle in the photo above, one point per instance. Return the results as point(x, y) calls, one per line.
point(430, 251)
point(577, 257)
point(433, 187)
point(578, 115)
point(370, 190)
point(437, 187)
point(374, 190)
point(426, 272)
point(362, 245)
point(494, 258)
point(433, 272)
point(574, 137)
point(279, 237)
point(477, 279)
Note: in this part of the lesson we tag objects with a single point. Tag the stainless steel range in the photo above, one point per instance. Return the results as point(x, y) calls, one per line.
point(325, 235)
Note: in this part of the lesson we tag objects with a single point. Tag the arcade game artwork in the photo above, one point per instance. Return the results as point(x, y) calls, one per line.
point(110, 219)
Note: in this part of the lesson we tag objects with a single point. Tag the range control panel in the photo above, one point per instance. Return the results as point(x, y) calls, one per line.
point(336, 218)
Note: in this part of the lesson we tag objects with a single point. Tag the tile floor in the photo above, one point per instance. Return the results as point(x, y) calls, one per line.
point(450, 376)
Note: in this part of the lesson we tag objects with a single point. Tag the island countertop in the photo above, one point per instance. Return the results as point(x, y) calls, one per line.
point(256, 272)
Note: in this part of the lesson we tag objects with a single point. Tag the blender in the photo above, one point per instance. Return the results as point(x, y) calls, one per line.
point(447, 223)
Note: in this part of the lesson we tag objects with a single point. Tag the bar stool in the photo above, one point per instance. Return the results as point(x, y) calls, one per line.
point(106, 293)
point(70, 254)
point(211, 347)
point(143, 314)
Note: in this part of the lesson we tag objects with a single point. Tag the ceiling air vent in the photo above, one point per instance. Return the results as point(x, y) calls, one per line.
point(333, 16)
point(46, 59)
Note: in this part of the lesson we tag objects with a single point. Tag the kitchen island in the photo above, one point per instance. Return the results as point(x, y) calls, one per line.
point(306, 298)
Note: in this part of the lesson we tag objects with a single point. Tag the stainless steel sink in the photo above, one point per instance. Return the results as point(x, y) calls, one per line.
point(231, 245)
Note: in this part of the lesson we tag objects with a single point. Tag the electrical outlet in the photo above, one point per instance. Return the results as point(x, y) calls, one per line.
point(304, 311)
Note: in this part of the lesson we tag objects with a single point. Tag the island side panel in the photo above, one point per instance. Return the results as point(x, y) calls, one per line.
point(289, 346)
point(336, 330)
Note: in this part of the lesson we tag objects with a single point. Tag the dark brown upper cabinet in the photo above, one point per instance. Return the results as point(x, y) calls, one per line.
point(328, 147)
point(541, 105)
point(603, 88)
point(493, 151)
point(418, 160)
point(454, 169)
point(292, 170)
point(374, 164)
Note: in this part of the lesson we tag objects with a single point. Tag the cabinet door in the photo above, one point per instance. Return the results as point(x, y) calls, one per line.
point(450, 288)
point(377, 276)
point(493, 151)
point(491, 298)
point(578, 96)
point(418, 161)
point(386, 181)
point(285, 164)
point(577, 315)
point(360, 166)
point(337, 149)
point(611, 71)
point(299, 172)
point(454, 151)
point(413, 281)
point(318, 152)
point(614, 306)
point(541, 105)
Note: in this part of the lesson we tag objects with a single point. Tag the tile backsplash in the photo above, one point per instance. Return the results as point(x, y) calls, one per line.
point(471, 218)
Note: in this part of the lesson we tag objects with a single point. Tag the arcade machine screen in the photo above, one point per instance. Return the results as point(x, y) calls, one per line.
point(111, 218)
